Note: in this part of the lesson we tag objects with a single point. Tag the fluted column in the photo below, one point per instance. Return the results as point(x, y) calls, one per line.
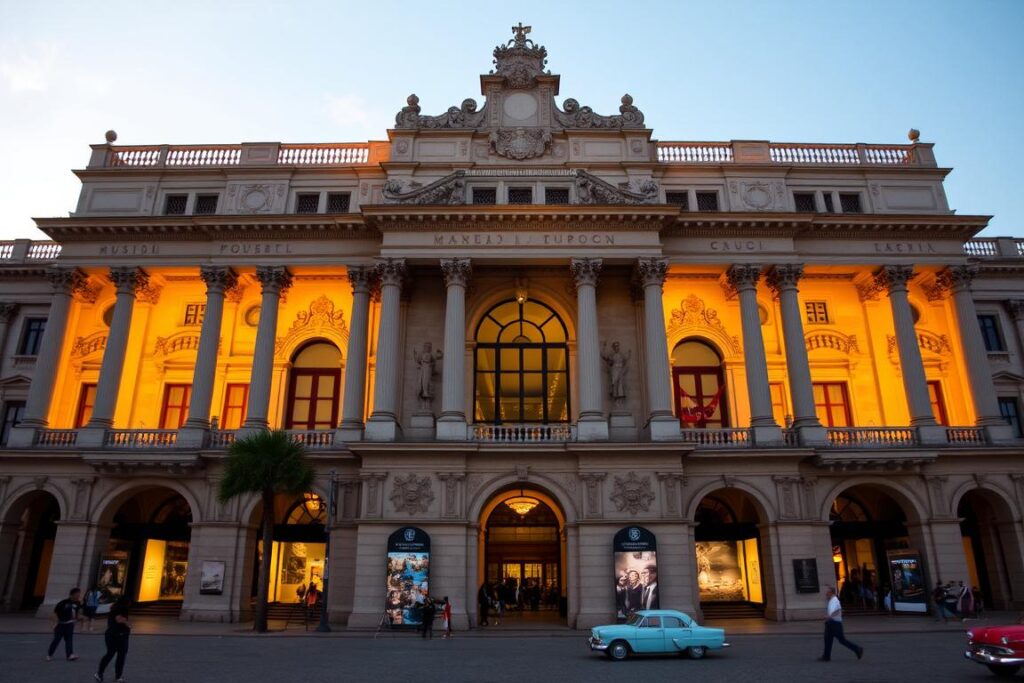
point(273, 281)
point(451, 426)
point(383, 422)
point(64, 282)
point(592, 425)
point(783, 280)
point(362, 280)
point(218, 280)
point(743, 278)
point(979, 371)
point(661, 425)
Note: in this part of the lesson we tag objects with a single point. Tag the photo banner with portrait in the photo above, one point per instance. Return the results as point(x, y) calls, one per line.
point(407, 580)
point(635, 552)
point(111, 577)
point(906, 572)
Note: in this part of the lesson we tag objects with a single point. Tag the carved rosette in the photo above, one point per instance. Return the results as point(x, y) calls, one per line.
point(784, 277)
point(411, 494)
point(362, 279)
point(391, 272)
point(456, 272)
point(632, 494)
point(743, 276)
point(894, 278)
point(651, 271)
point(128, 279)
point(218, 279)
point(273, 279)
point(585, 271)
point(957, 278)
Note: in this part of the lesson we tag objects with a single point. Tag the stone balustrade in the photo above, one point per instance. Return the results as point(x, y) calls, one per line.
point(313, 438)
point(794, 153)
point(871, 437)
point(220, 438)
point(140, 438)
point(718, 438)
point(965, 435)
point(245, 154)
point(56, 438)
point(524, 433)
point(28, 251)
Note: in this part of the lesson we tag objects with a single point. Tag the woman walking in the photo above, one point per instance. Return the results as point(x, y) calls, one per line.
point(116, 637)
point(446, 617)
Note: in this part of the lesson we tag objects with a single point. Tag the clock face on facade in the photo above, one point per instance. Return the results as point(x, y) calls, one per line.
point(519, 106)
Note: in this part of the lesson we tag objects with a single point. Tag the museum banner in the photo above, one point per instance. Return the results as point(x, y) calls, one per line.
point(408, 571)
point(906, 573)
point(635, 550)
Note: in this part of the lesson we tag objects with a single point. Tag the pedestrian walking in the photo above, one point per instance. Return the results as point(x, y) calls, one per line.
point(965, 601)
point(446, 617)
point(116, 639)
point(65, 614)
point(429, 612)
point(483, 601)
point(91, 603)
point(939, 598)
point(834, 627)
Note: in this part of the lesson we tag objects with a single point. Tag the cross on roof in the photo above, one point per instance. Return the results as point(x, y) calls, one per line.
point(520, 31)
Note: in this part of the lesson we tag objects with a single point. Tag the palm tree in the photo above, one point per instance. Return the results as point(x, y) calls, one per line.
point(266, 463)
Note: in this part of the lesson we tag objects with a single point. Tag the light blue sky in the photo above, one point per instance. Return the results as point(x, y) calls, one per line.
point(223, 72)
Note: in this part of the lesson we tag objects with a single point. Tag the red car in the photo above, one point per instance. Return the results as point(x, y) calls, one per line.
point(1000, 648)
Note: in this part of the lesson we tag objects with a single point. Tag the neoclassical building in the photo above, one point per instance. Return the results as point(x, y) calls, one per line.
point(517, 329)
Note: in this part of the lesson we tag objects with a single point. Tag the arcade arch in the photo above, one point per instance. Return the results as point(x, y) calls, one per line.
point(298, 550)
point(27, 534)
point(992, 547)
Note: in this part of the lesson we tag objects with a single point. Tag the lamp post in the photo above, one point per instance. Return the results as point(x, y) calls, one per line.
point(324, 626)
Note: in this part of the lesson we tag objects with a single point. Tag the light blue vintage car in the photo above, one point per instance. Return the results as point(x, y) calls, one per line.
point(656, 631)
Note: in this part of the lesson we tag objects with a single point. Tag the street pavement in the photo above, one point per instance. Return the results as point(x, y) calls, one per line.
point(928, 655)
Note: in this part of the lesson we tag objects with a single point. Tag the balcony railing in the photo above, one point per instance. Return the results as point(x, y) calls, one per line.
point(140, 438)
point(995, 247)
point(56, 438)
point(261, 154)
point(522, 433)
point(793, 154)
point(313, 438)
point(220, 438)
point(718, 438)
point(965, 435)
point(871, 437)
point(22, 251)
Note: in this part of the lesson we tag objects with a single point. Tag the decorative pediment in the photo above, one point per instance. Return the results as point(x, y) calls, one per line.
point(321, 319)
point(450, 190)
point(693, 317)
point(831, 339)
point(592, 190)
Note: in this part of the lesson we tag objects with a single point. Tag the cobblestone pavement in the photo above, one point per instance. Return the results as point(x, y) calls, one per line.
point(904, 657)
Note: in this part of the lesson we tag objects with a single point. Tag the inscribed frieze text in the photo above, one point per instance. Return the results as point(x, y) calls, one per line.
point(528, 239)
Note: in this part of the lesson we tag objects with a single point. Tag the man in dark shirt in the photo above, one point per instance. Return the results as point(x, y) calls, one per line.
point(65, 614)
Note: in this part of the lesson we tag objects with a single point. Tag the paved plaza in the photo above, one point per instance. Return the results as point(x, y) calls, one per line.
point(920, 651)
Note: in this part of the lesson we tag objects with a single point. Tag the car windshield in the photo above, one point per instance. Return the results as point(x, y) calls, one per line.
point(635, 619)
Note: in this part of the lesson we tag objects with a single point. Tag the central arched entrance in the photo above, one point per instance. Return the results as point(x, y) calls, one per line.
point(523, 555)
point(298, 549)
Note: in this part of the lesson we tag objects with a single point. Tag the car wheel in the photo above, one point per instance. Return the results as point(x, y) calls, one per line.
point(618, 650)
point(696, 652)
point(1004, 670)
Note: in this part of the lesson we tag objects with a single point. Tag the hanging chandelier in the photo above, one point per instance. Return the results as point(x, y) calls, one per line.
point(522, 505)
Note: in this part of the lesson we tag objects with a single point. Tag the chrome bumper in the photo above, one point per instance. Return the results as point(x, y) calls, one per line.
point(596, 644)
point(984, 655)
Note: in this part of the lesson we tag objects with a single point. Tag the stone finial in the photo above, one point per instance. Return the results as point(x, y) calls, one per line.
point(914, 135)
point(110, 136)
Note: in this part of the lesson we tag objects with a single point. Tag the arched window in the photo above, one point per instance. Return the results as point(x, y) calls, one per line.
point(699, 386)
point(521, 371)
point(314, 387)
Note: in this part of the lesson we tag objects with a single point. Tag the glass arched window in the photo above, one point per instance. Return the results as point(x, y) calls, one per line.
point(314, 387)
point(699, 386)
point(521, 371)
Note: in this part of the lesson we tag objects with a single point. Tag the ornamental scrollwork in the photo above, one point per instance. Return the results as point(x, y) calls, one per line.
point(450, 190)
point(464, 116)
point(411, 494)
point(592, 190)
point(321, 316)
point(520, 143)
point(632, 494)
point(573, 115)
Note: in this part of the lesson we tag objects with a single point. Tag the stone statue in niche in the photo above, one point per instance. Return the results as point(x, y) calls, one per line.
point(426, 362)
point(618, 366)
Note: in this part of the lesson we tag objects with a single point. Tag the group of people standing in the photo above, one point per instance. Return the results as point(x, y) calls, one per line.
point(956, 601)
point(510, 594)
point(428, 613)
point(72, 610)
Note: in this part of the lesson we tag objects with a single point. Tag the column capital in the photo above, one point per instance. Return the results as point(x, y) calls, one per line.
point(128, 279)
point(651, 271)
point(785, 276)
point(742, 276)
point(274, 279)
point(218, 279)
point(362, 278)
point(1016, 309)
point(456, 271)
point(585, 271)
point(957, 278)
point(66, 280)
point(391, 271)
point(894, 277)
point(7, 311)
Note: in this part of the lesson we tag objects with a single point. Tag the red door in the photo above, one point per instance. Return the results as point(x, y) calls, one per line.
point(313, 398)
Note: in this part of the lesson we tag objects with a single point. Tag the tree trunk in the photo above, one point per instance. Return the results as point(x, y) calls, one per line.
point(262, 593)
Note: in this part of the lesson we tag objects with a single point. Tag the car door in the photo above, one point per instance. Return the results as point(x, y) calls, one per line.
point(677, 634)
point(650, 636)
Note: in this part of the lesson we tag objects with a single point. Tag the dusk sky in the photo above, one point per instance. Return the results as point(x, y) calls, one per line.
point(226, 72)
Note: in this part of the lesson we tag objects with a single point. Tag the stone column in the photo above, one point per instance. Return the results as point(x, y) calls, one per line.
point(764, 429)
point(218, 280)
point(273, 281)
point(351, 429)
point(783, 280)
point(1016, 310)
point(894, 279)
point(451, 426)
point(979, 371)
point(7, 311)
point(64, 281)
point(383, 423)
point(128, 280)
point(592, 425)
point(661, 425)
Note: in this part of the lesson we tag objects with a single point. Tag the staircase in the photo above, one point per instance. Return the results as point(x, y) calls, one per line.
point(293, 613)
point(732, 610)
point(157, 608)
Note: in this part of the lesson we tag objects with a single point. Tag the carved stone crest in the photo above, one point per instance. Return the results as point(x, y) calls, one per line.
point(450, 190)
point(632, 494)
point(411, 494)
point(592, 190)
point(575, 116)
point(321, 315)
point(520, 143)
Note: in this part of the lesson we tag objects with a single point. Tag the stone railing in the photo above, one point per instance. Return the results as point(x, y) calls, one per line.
point(965, 435)
point(995, 247)
point(313, 438)
point(245, 154)
point(695, 152)
point(56, 438)
point(871, 437)
point(323, 155)
point(220, 438)
point(521, 433)
point(22, 251)
point(794, 153)
point(717, 438)
point(140, 438)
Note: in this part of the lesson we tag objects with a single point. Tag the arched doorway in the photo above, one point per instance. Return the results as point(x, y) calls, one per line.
point(728, 547)
point(698, 382)
point(523, 552)
point(314, 387)
point(26, 547)
point(146, 556)
point(991, 548)
point(297, 555)
point(867, 524)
